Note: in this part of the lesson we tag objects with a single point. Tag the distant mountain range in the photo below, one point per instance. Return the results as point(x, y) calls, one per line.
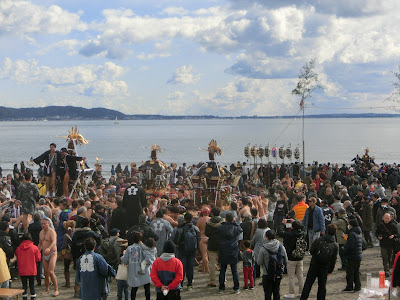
point(80, 113)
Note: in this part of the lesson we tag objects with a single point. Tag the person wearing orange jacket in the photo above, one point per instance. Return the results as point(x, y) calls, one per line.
point(300, 208)
point(27, 256)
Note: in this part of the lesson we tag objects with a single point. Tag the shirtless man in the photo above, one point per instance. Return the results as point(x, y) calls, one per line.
point(263, 206)
point(172, 216)
point(201, 224)
point(48, 245)
point(245, 208)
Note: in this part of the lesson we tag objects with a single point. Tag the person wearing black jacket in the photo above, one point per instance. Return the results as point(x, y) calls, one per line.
point(386, 232)
point(118, 219)
point(79, 237)
point(51, 160)
point(66, 169)
point(144, 229)
point(281, 210)
point(5, 241)
point(213, 242)
point(294, 231)
point(228, 234)
point(34, 229)
point(134, 201)
point(318, 268)
point(353, 251)
point(12, 232)
point(185, 256)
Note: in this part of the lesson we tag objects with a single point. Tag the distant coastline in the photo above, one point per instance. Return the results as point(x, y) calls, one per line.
point(63, 113)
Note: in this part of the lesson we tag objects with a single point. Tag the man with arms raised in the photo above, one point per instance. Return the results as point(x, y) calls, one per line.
point(50, 159)
point(48, 245)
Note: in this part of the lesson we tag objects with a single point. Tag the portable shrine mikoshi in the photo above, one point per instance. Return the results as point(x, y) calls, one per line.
point(80, 184)
point(153, 173)
point(212, 182)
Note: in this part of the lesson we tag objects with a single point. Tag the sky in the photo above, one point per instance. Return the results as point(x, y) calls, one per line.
point(209, 57)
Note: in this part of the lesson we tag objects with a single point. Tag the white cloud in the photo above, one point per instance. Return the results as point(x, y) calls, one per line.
point(174, 11)
point(243, 96)
point(288, 23)
point(147, 56)
point(184, 75)
point(214, 28)
point(23, 18)
point(84, 79)
point(70, 45)
point(106, 88)
point(177, 95)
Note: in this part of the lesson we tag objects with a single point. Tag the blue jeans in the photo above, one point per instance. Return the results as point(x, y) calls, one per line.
point(235, 276)
point(312, 236)
point(122, 286)
point(188, 265)
point(5, 285)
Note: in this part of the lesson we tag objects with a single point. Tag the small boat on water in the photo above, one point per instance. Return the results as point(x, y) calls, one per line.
point(116, 120)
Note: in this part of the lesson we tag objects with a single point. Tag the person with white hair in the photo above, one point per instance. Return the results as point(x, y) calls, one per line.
point(386, 232)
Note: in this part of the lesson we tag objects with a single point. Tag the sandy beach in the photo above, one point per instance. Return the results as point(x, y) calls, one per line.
point(371, 263)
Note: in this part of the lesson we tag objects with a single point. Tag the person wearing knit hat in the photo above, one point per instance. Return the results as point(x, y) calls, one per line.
point(167, 274)
point(169, 247)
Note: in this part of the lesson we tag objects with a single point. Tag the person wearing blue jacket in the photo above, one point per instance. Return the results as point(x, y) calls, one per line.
point(91, 269)
point(314, 221)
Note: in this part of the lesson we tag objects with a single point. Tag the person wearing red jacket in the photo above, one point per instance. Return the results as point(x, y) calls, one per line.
point(27, 256)
point(167, 274)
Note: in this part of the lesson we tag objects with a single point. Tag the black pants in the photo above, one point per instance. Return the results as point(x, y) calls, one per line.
point(342, 256)
point(353, 274)
point(39, 272)
point(368, 238)
point(271, 288)
point(172, 295)
point(313, 272)
point(146, 292)
point(67, 263)
point(31, 279)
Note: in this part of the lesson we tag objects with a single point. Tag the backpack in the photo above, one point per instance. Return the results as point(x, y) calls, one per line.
point(107, 250)
point(301, 248)
point(276, 264)
point(188, 240)
point(325, 252)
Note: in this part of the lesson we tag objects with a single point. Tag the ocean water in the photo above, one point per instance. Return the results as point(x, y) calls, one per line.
point(327, 140)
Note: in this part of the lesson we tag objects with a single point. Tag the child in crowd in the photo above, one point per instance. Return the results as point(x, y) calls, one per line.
point(122, 285)
point(27, 257)
point(248, 266)
point(150, 247)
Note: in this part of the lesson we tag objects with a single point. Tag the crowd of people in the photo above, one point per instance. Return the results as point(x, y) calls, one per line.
point(276, 216)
